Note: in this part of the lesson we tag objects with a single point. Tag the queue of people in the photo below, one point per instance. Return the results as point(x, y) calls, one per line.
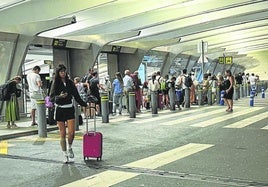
point(63, 90)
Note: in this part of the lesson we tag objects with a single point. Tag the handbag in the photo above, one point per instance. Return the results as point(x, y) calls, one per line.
point(92, 99)
point(48, 103)
point(37, 95)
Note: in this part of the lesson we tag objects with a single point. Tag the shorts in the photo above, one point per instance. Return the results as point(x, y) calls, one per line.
point(64, 114)
point(33, 104)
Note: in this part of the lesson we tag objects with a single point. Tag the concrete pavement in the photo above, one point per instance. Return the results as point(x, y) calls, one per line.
point(168, 149)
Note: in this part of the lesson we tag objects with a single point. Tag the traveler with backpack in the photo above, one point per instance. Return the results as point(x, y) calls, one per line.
point(82, 89)
point(12, 106)
point(164, 89)
point(185, 82)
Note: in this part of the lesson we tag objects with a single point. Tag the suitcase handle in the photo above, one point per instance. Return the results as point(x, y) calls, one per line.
point(91, 107)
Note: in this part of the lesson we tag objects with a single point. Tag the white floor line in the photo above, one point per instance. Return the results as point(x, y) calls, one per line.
point(248, 121)
point(110, 177)
point(224, 117)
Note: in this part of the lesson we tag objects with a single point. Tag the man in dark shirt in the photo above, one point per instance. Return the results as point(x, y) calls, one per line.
point(95, 86)
point(239, 78)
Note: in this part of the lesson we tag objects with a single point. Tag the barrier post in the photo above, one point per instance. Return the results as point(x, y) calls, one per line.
point(105, 108)
point(187, 98)
point(262, 92)
point(132, 104)
point(172, 96)
point(251, 98)
point(235, 92)
point(222, 100)
point(241, 90)
point(246, 89)
point(218, 95)
point(210, 95)
point(76, 108)
point(200, 96)
point(154, 100)
point(41, 118)
point(238, 91)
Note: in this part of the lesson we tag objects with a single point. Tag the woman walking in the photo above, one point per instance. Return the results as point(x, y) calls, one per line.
point(62, 92)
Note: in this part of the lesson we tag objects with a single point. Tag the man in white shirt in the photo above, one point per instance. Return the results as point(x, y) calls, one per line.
point(128, 87)
point(253, 81)
point(34, 83)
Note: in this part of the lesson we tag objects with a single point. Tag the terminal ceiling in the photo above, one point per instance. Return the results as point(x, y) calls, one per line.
point(231, 27)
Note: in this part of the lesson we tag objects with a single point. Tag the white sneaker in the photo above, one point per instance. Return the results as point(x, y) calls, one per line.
point(70, 153)
point(65, 159)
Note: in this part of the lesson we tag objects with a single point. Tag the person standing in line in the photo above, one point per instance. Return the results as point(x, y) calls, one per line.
point(107, 86)
point(35, 84)
point(229, 90)
point(12, 106)
point(137, 83)
point(153, 86)
point(253, 81)
point(62, 93)
point(145, 96)
point(117, 92)
point(181, 84)
point(82, 88)
point(164, 89)
point(95, 88)
point(128, 87)
point(192, 89)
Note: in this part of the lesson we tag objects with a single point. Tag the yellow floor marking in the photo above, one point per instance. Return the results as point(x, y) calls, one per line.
point(265, 128)
point(215, 120)
point(248, 121)
point(109, 177)
point(3, 147)
point(50, 137)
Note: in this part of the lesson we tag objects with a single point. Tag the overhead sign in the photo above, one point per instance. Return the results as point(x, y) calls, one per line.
point(221, 60)
point(200, 59)
point(59, 43)
point(225, 60)
point(228, 60)
point(205, 47)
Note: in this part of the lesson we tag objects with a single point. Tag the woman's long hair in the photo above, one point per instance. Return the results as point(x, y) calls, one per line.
point(153, 78)
point(119, 77)
point(57, 79)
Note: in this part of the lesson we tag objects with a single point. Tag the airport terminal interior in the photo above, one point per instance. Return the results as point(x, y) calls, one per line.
point(196, 145)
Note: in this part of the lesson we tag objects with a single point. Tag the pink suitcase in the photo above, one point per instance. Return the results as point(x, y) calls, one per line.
point(92, 143)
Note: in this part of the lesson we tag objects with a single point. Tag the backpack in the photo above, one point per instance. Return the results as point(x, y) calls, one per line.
point(164, 85)
point(4, 94)
point(188, 82)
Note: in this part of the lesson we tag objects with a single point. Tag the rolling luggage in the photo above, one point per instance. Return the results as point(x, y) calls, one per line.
point(92, 142)
point(160, 101)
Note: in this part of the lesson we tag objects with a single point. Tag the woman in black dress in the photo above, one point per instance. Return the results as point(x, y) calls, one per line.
point(229, 90)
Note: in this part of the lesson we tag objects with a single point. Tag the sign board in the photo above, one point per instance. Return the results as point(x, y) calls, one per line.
point(199, 47)
point(228, 60)
point(200, 59)
point(116, 49)
point(221, 60)
point(142, 72)
point(59, 43)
